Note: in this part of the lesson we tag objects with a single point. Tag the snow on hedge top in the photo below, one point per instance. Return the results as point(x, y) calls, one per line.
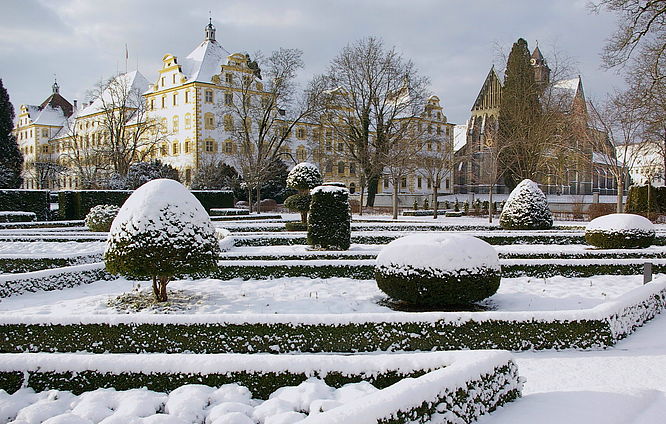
point(144, 211)
point(618, 222)
point(444, 252)
point(304, 176)
point(329, 189)
point(526, 208)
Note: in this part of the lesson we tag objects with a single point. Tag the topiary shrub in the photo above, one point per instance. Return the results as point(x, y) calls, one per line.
point(526, 209)
point(100, 217)
point(303, 177)
point(620, 231)
point(329, 224)
point(296, 226)
point(161, 231)
point(438, 270)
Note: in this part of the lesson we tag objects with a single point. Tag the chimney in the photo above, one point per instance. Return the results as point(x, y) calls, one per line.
point(75, 103)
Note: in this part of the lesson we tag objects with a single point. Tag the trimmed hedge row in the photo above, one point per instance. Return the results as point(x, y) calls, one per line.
point(36, 201)
point(54, 279)
point(491, 380)
point(15, 265)
point(75, 204)
point(17, 216)
point(356, 226)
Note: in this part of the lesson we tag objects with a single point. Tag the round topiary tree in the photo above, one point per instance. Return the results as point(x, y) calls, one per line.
point(438, 269)
point(100, 217)
point(329, 224)
point(303, 177)
point(161, 231)
point(620, 231)
point(526, 209)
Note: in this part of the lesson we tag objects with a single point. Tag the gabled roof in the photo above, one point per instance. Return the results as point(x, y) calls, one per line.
point(491, 79)
point(205, 61)
point(570, 90)
point(133, 80)
point(55, 100)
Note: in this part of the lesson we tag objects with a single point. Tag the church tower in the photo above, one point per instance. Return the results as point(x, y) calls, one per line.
point(541, 69)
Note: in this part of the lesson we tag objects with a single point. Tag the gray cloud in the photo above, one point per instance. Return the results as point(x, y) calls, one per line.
point(453, 42)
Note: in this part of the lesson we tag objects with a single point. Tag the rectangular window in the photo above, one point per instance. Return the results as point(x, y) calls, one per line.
point(187, 147)
point(448, 184)
point(209, 146)
point(352, 168)
point(45, 132)
point(187, 97)
point(163, 102)
point(386, 183)
point(175, 148)
point(403, 182)
point(429, 183)
point(228, 78)
point(329, 146)
point(45, 149)
point(209, 96)
point(163, 81)
point(163, 150)
point(228, 99)
point(419, 182)
point(341, 147)
point(175, 99)
point(228, 148)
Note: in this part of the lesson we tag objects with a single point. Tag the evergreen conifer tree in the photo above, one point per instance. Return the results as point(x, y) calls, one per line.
point(519, 117)
point(11, 159)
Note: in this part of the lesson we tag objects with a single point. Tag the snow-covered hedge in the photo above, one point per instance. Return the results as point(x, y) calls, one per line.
point(526, 209)
point(36, 201)
point(100, 217)
point(423, 212)
point(620, 231)
point(329, 223)
point(17, 216)
point(52, 279)
point(17, 263)
point(456, 386)
point(594, 328)
point(438, 269)
point(228, 212)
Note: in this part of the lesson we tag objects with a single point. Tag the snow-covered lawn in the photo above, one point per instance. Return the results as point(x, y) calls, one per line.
point(301, 295)
point(623, 384)
point(46, 249)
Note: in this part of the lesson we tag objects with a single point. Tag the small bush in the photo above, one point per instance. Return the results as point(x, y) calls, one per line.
point(304, 176)
point(620, 231)
point(299, 203)
point(438, 270)
point(526, 209)
point(161, 231)
point(329, 224)
point(100, 217)
point(595, 210)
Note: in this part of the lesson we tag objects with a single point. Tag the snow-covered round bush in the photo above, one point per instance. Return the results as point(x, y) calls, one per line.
point(620, 231)
point(329, 224)
point(304, 176)
point(438, 269)
point(100, 217)
point(161, 231)
point(526, 209)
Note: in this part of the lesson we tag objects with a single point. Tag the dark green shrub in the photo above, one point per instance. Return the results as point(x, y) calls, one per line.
point(296, 226)
point(637, 200)
point(526, 209)
point(620, 231)
point(17, 216)
point(161, 231)
point(438, 270)
point(36, 201)
point(100, 217)
point(300, 203)
point(329, 224)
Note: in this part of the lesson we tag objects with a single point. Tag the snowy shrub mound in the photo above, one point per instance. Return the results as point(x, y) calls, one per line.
point(620, 231)
point(438, 269)
point(161, 231)
point(329, 225)
point(526, 209)
point(100, 217)
point(304, 176)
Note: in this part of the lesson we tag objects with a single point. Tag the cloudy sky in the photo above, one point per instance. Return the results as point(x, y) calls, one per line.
point(453, 42)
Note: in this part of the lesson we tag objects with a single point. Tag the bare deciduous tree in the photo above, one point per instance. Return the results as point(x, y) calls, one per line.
point(260, 116)
point(374, 95)
point(436, 164)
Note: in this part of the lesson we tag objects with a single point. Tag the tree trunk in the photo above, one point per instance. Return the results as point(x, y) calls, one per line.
point(373, 185)
point(258, 199)
point(435, 203)
point(618, 203)
point(249, 198)
point(490, 204)
point(360, 211)
point(395, 198)
point(648, 197)
point(160, 287)
point(304, 217)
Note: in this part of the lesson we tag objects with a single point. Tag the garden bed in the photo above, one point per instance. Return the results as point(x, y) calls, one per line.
point(29, 324)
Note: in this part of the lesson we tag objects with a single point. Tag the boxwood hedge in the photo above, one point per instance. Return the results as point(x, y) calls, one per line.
point(36, 201)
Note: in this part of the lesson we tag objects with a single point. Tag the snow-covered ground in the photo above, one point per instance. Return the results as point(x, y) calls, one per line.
point(621, 385)
point(303, 295)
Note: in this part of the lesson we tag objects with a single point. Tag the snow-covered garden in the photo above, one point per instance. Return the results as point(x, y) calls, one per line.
point(170, 318)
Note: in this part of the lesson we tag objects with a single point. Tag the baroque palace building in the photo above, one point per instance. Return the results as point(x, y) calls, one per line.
point(183, 107)
point(586, 175)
